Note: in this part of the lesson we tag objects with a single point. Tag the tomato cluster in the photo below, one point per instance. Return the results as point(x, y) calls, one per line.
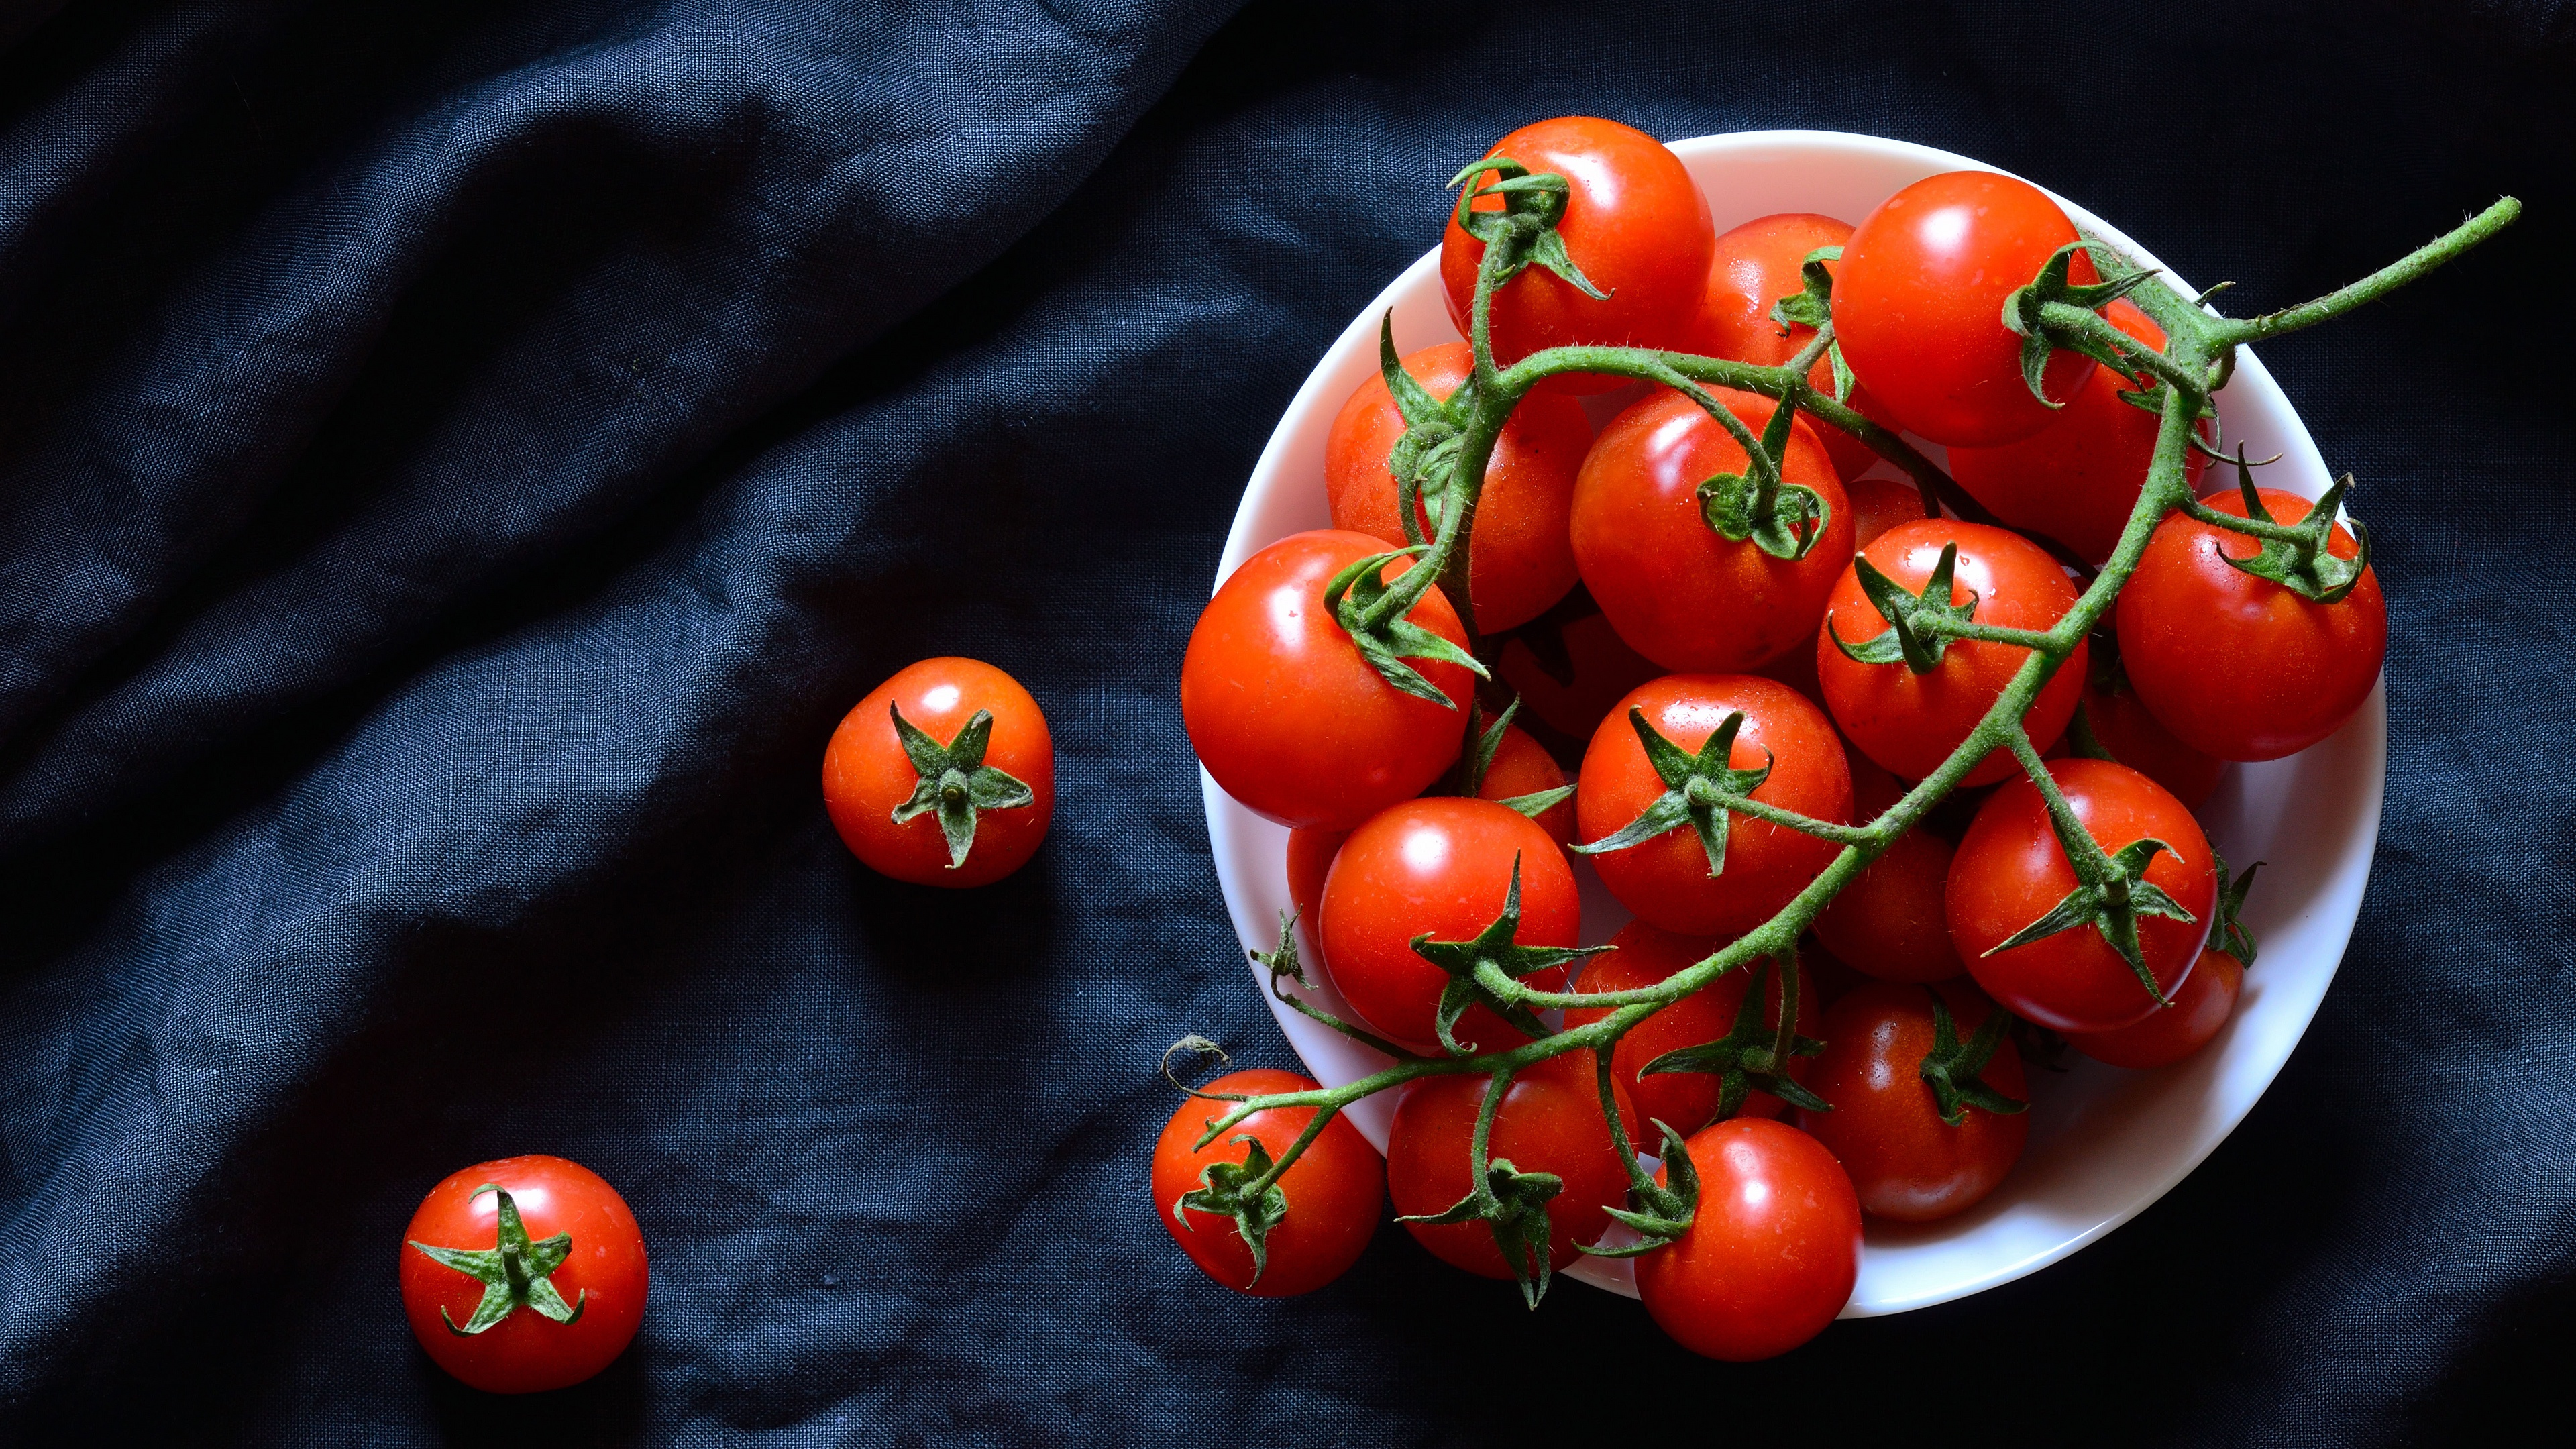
point(1747, 651)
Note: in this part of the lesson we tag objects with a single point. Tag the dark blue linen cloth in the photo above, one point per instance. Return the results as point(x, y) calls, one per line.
point(458, 461)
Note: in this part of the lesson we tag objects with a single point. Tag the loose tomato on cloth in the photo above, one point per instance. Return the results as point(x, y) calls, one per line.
point(2078, 478)
point(1636, 227)
point(1643, 955)
point(1909, 722)
point(523, 1274)
point(1752, 268)
point(1898, 1071)
point(1518, 560)
point(1549, 1122)
point(1679, 590)
point(1442, 868)
point(944, 775)
point(2201, 1006)
point(1919, 306)
point(1772, 1251)
point(1287, 714)
point(1673, 877)
point(2238, 666)
point(2011, 872)
point(1892, 920)
point(1314, 1222)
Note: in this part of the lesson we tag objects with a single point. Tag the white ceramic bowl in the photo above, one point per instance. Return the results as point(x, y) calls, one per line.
point(2104, 1142)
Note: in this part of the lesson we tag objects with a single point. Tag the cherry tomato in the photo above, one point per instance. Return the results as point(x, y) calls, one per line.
point(1334, 1190)
point(868, 776)
point(1288, 716)
point(598, 1278)
point(1521, 767)
point(1550, 1121)
point(1635, 225)
point(1646, 955)
point(1439, 867)
point(2011, 870)
point(2136, 738)
point(1910, 722)
point(1753, 267)
point(1892, 920)
point(1771, 1253)
point(1570, 675)
point(2077, 479)
point(1879, 504)
point(2238, 666)
point(1518, 559)
point(1310, 859)
point(1683, 594)
point(1919, 306)
point(2202, 1004)
point(1666, 880)
point(1905, 1162)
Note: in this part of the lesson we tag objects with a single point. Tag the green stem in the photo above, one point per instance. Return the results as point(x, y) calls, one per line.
point(2437, 252)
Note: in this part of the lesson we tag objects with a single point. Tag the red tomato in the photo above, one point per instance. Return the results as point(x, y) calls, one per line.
point(1550, 1121)
point(1285, 712)
point(1886, 1128)
point(1310, 859)
point(1919, 306)
point(1682, 593)
point(600, 1276)
point(1635, 226)
point(1753, 267)
point(1892, 920)
point(2202, 1004)
point(2137, 739)
point(2237, 666)
point(1334, 1190)
point(1910, 722)
point(1586, 669)
point(867, 775)
point(1879, 504)
point(1518, 559)
point(1439, 867)
point(2011, 870)
point(1772, 1252)
point(1646, 955)
point(2077, 479)
point(1666, 880)
point(1521, 767)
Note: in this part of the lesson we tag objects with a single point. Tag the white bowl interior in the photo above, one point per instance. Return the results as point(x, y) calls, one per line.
point(2104, 1142)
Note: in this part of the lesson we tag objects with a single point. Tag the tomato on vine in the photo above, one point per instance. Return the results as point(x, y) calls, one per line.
point(1549, 1122)
point(2201, 1007)
point(1752, 268)
point(1929, 1102)
point(1287, 713)
point(2130, 733)
point(523, 1274)
point(1697, 566)
point(944, 775)
point(1642, 955)
point(1772, 1251)
point(1879, 504)
point(1311, 1224)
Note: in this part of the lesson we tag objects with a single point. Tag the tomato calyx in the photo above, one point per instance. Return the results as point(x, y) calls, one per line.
point(1699, 790)
point(1812, 305)
point(1524, 230)
point(1780, 518)
point(955, 781)
point(1245, 1192)
point(2295, 555)
point(1283, 964)
point(1951, 1068)
point(1425, 458)
point(1754, 1054)
point(1483, 741)
point(1915, 634)
point(2051, 312)
point(1513, 1204)
point(1664, 1209)
point(1372, 612)
point(2111, 891)
point(2228, 933)
point(515, 1273)
point(1486, 971)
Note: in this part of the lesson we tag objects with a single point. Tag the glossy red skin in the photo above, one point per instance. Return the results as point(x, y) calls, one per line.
point(1646, 956)
point(1310, 860)
point(2077, 479)
point(1906, 1164)
point(1521, 767)
point(1665, 880)
point(2010, 871)
point(2123, 724)
point(1892, 920)
point(527, 1353)
point(1335, 1190)
point(1772, 1252)
point(1518, 559)
point(1753, 267)
point(2240, 667)
point(1549, 1122)
point(1919, 303)
point(1635, 224)
point(1286, 714)
point(1879, 504)
point(1678, 591)
point(2202, 1004)
point(1909, 723)
point(1604, 670)
point(1440, 867)
point(866, 774)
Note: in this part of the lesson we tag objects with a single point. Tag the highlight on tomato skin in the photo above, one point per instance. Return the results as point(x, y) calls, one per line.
point(870, 775)
point(1334, 1191)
